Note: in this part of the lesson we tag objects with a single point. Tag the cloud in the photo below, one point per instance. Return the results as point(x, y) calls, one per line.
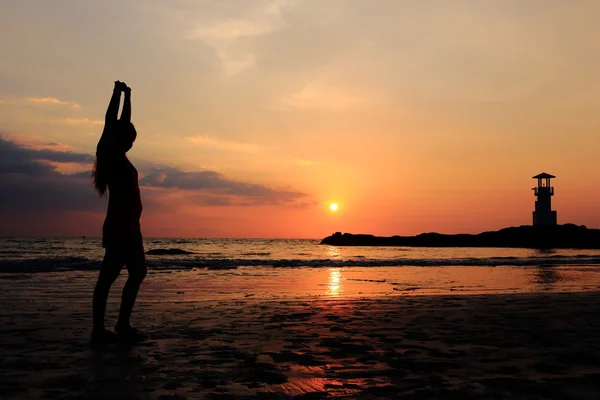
point(81, 121)
point(227, 33)
point(44, 101)
point(211, 142)
point(51, 101)
point(321, 95)
point(216, 184)
point(51, 192)
point(18, 159)
point(30, 183)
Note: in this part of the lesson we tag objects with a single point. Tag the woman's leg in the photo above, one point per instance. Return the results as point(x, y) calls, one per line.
point(111, 268)
point(136, 267)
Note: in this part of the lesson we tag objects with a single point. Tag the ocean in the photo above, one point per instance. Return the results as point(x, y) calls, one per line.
point(289, 267)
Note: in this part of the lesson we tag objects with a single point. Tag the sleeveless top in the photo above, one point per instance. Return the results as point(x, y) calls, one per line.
point(124, 203)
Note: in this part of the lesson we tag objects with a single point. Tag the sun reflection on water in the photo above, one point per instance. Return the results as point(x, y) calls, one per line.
point(334, 287)
point(333, 252)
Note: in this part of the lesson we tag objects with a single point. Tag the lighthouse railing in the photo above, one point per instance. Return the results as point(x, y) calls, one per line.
point(543, 190)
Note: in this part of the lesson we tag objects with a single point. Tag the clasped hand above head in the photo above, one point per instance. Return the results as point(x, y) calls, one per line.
point(122, 87)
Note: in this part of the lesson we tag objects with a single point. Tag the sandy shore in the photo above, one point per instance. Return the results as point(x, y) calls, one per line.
point(514, 346)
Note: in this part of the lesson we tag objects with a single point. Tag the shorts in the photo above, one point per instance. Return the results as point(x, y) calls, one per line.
point(112, 238)
point(127, 251)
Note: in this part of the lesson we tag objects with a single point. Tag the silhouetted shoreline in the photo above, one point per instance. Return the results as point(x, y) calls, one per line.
point(567, 236)
point(169, 252)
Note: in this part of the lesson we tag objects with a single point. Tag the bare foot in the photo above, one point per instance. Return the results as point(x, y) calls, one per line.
point(101, 336)
point(129, 332)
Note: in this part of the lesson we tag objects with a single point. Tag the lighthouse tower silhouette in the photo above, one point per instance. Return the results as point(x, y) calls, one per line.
point(543, 214)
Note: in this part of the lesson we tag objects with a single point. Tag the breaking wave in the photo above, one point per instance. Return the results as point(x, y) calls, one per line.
point(58, 264)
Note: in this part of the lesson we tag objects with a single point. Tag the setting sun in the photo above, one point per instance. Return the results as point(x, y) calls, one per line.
point(333, 207)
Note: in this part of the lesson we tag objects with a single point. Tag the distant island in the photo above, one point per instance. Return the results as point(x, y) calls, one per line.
point(567, 236)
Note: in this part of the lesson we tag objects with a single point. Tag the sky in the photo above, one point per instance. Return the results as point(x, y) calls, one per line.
point(254, 116)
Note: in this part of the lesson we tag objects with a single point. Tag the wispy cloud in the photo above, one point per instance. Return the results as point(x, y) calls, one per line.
point(225, 35)
point(212, 142)
point(44, 101)
point(51, 101)
point(322, 95)
point(81, 121)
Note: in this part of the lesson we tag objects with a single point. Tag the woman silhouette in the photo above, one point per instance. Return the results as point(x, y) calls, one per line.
point(121, 234)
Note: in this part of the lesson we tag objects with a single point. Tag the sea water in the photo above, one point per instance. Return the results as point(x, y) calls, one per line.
point(276, 268)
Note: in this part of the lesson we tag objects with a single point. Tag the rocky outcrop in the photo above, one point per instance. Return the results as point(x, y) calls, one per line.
point(527, 236)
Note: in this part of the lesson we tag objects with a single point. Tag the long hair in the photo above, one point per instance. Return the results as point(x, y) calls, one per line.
point(100, 168)
point(111, 145)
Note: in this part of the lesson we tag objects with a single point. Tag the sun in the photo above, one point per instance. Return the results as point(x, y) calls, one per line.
point(333, 207)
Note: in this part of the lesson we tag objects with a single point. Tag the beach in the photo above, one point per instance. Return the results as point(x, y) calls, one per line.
point(335, 340)
point(315, 199)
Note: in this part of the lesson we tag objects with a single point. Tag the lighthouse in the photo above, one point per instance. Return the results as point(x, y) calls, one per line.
point(543, 214)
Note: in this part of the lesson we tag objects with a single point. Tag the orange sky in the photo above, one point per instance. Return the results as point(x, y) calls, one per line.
point(413, 116)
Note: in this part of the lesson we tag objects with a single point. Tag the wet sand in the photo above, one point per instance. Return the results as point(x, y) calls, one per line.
point(513, 346)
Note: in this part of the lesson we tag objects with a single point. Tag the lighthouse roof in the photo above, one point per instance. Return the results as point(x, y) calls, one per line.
point(543, 175)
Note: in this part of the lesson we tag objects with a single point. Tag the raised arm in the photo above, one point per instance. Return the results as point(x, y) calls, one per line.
point(113, 106)
point(126, 113)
